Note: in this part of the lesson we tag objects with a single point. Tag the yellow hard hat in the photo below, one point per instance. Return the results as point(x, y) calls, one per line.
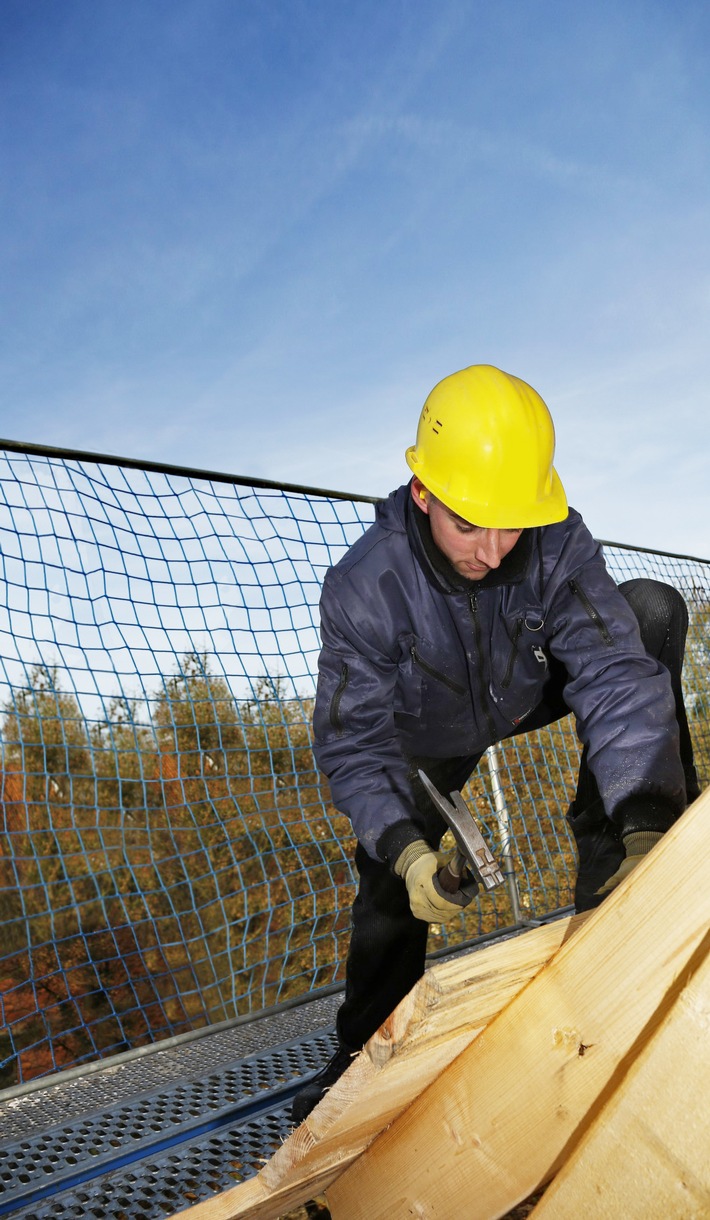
point(485, 445)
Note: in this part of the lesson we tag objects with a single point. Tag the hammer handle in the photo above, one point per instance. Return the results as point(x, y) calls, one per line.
point(450, 875)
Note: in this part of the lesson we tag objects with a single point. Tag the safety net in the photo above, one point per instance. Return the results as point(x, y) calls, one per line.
point(169, 856)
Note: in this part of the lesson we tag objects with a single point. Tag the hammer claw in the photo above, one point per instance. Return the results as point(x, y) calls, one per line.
point(469, 839)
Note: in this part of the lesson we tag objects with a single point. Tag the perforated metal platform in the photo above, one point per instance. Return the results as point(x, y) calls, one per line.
point(145, 1135)
point(149, 1136)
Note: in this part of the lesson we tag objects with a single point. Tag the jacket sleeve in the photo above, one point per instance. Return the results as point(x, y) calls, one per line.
point(355, 741)
point(620, 695)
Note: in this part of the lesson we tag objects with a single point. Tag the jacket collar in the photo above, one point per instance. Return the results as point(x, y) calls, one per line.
point(513, 569)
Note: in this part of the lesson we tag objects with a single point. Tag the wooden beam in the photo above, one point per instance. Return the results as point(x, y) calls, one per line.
point(441, 1015)
point(648, 1153)
point(253, 1200)
point(502, 1118)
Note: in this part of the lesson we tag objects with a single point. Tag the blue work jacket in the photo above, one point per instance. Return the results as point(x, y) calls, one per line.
point(417, 664)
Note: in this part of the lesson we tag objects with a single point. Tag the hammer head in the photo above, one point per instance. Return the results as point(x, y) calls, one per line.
point(469, 839)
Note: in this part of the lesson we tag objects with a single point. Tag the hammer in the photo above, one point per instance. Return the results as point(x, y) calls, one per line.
point(472, 850)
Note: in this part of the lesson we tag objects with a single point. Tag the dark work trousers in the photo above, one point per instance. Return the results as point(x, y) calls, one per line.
point(388, 944)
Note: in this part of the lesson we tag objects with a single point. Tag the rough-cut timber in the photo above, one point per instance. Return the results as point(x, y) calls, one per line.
point(441, 1015)
point(648, 1153)
point(577, 1050)
point(504, 1117)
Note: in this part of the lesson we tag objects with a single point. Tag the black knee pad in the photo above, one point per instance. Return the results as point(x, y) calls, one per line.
point(661, 613)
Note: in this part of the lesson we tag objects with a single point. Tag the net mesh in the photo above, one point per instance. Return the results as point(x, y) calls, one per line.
point(169, 857)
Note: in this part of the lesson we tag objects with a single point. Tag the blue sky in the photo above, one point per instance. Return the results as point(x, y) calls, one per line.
point(250, 235)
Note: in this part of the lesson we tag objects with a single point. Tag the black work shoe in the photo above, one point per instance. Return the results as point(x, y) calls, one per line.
point(308, 1098)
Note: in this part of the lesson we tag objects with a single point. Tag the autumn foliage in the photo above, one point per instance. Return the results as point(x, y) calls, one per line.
point(155, 877)
point(166, 869)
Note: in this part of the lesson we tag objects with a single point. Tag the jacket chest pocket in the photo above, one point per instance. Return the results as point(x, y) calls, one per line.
point(521, 667)
point(428, 687)
point(435, 674)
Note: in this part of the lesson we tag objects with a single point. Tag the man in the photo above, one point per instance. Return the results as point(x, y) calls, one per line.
point(476, 607)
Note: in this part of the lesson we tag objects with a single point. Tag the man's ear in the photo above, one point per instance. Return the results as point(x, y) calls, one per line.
point(420, 495)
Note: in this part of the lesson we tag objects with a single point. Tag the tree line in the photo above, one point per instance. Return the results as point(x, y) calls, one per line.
point(157, 876)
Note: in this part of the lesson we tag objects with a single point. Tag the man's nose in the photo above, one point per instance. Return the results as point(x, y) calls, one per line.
point(488, 550)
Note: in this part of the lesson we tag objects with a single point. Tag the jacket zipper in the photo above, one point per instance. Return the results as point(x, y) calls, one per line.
point(508, 675)
point(593, 613)
point(473, 609)
point(335, 719)
point(434, 673)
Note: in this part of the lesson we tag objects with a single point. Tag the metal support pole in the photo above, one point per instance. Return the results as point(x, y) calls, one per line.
point(503, 818)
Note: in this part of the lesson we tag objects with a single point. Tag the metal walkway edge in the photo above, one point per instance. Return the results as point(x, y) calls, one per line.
point(147, 1137)
point(146, 1134)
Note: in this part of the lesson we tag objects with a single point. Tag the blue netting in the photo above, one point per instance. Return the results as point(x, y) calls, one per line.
point(168, 854)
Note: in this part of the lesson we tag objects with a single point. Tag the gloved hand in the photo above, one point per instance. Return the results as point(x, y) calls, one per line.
point(418, 866)
point(637, 845)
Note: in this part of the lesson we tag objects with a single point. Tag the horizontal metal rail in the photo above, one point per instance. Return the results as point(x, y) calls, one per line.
point(220, 476)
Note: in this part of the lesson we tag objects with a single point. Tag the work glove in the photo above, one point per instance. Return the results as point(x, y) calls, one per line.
point(418, 867)
point(637, 845)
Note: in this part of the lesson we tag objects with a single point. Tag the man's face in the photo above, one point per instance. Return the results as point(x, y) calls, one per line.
point(471, 550)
